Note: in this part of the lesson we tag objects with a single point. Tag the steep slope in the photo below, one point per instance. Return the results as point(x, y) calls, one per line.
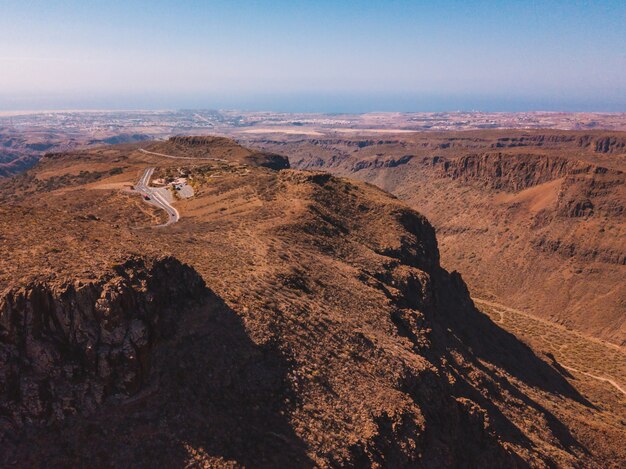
point(20, 150)
point(204, 147)
point(11, 163)
point(534, 220)
point(289, 318)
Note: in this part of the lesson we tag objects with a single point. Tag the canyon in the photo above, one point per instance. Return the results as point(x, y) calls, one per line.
point(532, 219)
point(288, 318)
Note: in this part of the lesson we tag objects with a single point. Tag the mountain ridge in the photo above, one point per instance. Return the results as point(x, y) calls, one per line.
point(548, 208)
point(316, 303)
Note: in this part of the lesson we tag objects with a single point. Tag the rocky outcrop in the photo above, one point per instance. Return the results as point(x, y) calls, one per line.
point(586, 190)
point(600, 192)
point(508, 172)
point(66, 349)
point(376, 163)
point(603, 144)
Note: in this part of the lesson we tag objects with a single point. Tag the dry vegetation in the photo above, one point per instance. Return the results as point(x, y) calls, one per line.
point(328, 334)
point(579, 356)
point(533, 219)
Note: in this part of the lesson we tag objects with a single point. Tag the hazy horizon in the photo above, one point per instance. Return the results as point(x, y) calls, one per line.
point(333, 57)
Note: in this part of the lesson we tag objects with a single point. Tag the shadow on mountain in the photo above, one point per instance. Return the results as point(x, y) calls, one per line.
point(212, 394)
point(460, 327)
point(491, 343)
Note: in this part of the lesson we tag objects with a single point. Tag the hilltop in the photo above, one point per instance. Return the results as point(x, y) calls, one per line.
point(288, 318)
point(533, 219)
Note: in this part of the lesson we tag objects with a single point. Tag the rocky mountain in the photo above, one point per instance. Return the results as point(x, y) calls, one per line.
point(21, 150)
point(289, 318)
point(221, 148)
point(11, 163)
point(532, 219)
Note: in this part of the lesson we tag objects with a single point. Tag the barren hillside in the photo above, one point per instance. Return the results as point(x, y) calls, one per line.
point(289, 318)
point(532, 219)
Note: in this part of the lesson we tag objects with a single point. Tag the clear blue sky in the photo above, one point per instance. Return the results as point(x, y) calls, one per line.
point(323, 55)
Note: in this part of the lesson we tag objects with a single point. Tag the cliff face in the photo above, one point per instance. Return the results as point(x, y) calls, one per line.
point(328, 333)
point(532, 219)
point(382, 163)
point(514, 172)
point(600, 192)
point(66, 349)
point(595, 142)
point(605, 144)
point(586, 189)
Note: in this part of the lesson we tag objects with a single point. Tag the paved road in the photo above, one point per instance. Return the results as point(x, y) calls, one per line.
point(143, 187)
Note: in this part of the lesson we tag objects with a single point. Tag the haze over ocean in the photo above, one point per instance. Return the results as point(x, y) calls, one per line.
point(322, 56)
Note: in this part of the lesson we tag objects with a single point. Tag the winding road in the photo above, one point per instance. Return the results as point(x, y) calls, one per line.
point(155, 198)
point(143, 187)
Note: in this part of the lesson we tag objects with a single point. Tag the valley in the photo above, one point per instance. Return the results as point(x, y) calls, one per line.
point(534, 220)
point(281, 303)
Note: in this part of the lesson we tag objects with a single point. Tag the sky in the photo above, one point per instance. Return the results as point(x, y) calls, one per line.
point(313, 56)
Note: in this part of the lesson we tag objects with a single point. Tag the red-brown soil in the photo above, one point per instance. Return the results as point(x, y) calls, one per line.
point(532, 219)
point(288, 319)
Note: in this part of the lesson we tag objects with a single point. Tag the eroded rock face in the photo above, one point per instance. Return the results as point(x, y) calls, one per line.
point(506, 172)
point(65, 349)
point(603, 144)
point(382, 163)
point(599, 193)
point(586, 189)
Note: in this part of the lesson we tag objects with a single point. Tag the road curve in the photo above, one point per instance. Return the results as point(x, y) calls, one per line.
point(143, 187)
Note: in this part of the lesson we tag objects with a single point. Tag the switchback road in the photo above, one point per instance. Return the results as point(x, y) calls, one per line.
point(143, 187)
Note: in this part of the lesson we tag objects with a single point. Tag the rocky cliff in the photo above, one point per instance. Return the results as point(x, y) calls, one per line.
point(514, 172)
point(298, 319)
point(509, 207)
point(586, 189)
point(66, 349)
point(603, 144)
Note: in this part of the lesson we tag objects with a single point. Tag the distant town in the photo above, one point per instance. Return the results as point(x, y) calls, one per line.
point(25, 136)
point(183, 121)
